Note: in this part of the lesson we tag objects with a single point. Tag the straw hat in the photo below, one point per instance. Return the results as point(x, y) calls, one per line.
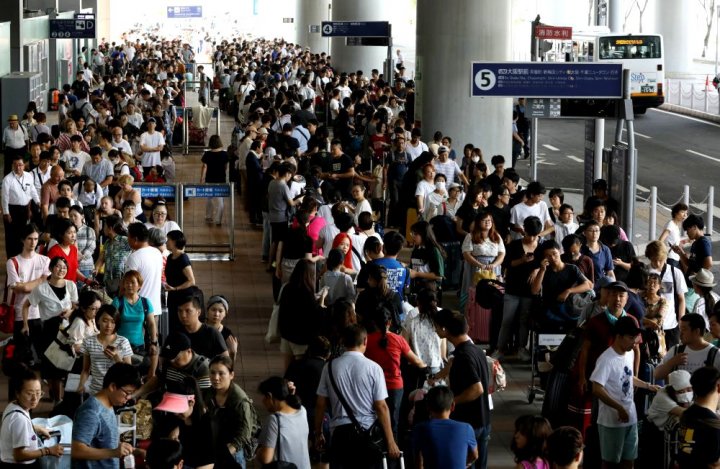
point(13, 117)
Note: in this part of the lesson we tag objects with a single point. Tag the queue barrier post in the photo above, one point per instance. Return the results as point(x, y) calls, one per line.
point(710, 210)
point(213, 251)
point(653, 214)
point(686, 195)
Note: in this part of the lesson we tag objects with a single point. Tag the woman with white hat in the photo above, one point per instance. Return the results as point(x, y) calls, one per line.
point(703, 282)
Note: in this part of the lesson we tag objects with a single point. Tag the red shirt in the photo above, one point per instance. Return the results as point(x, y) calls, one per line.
point(71, 258)
point(388, 358)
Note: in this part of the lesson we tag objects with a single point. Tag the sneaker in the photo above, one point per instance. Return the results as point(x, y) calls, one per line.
point(524, 355)
point(498, 355)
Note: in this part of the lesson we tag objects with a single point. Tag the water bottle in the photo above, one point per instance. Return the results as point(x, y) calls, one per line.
point(129, 461)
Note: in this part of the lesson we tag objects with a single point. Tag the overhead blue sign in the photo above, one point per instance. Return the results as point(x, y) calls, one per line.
point(81, 27)
point(184, 12)
point(156, 190)
point(355, 28)
point(546, 80)
point(203, 191)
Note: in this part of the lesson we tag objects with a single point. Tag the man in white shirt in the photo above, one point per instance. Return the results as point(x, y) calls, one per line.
point(148, 261)
point(532, 206)
point(25, 272)
point(18, 191)
point(415, 147)
point(41, 174)
point(14, 140)
point(565, 224)
point(119, 142)
point(151, 143)
point(74, 158)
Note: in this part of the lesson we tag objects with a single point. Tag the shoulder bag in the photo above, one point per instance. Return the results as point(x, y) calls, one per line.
point(371, 441)
point(272, 336)
point(7, 310)
point(278, 464)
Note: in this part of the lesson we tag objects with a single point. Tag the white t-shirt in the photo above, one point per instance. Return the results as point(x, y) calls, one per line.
point(415, 151)
point(17, 431)
point(695, 358)
point(75, 161)
point(151, 158)
point(673, 238)
point(327, 234)
point(485, 248)
point(615, 373)
point(521, 211)
point(424, 188)
point(149, 262)
point(28, 269)
point(361, 207)
point(670, 320)
point(699, 308)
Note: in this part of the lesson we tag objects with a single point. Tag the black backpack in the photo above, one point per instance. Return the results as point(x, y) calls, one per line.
point(77, 113)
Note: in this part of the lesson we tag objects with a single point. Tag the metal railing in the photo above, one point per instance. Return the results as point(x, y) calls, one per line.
point(704, 208)
point(697, 95)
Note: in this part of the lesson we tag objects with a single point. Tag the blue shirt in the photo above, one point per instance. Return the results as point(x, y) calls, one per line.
point(132, 319)
point(699, 250)
point(397, 274)
point(444, 443)
point(96, 426)
point(602, 260)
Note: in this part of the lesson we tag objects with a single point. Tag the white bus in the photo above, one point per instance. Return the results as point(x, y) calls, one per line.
point(642, 54)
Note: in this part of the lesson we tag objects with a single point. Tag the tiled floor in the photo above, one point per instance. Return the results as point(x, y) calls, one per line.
point(248, 288)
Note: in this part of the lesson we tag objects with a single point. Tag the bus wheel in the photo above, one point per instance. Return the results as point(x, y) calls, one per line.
point(641, 110)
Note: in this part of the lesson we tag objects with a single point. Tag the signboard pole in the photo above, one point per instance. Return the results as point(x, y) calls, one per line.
point(390, 66)
point(599, 145)
point(630, 162)
point(534, 122)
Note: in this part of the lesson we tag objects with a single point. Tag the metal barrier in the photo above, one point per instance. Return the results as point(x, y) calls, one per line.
point(705, 206)
point(692, 94)
point(186, 128)
point(218, 252)
point(179, 194)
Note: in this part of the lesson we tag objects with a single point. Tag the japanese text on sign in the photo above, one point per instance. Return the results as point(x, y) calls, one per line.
point(205, 191)
point(553, 32)
point(156, 190)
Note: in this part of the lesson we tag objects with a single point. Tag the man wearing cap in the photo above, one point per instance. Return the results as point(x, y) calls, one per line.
point(693, 352)
point(99, 169)
point(613, 382)
point(18, 191)
point(598, 337)
point(151, 143)
point(14, 141)
point(178, 363)
point(444, 165)
point(699, 433)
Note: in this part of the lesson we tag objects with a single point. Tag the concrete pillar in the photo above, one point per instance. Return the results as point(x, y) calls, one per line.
point(676, 25)
point(616, 15)
point(352, 58)
point(12, 11)
point(451, 35)
point(312, 12)
point(43, 5)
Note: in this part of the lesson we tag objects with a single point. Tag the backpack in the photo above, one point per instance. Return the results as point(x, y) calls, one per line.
point(136, 174)
point(498, 380)
point(77, 113)
point(709, 360)
point(146, 306)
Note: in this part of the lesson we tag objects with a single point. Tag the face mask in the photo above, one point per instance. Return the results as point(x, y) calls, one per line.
point(684, 397)
point(475, 159)
point(440, 185)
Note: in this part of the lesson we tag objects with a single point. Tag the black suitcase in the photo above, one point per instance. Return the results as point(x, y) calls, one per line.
point(453, 265)
point(557, 394)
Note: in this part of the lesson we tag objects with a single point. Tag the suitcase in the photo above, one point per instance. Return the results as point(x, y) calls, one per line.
point(478, 319)
point(557, 391)
point(643, 397)
point(453, 265)
point(400, 462)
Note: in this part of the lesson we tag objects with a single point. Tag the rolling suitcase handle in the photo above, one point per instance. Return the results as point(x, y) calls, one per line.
point(402, 461)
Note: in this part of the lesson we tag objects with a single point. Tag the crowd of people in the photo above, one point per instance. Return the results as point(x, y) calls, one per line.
point(375, 366)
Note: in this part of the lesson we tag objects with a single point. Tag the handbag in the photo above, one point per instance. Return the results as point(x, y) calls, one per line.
point(272, 336)
point(59, 352)
point(278, 464)
point(483, 275)
point(7, 310)
point(371, 442)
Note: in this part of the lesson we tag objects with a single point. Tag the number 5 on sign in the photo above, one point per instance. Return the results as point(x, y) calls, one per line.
point(485, 79)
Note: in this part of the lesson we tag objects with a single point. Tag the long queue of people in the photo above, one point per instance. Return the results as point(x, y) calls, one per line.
point(360, 330)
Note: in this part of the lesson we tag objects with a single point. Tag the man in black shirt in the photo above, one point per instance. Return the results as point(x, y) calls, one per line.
point(340, 169)
point(469, 379)
point(557, 280)
point(205, 340)
point(699, 433)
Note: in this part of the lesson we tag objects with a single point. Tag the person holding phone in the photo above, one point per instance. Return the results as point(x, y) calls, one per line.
point(102, 351)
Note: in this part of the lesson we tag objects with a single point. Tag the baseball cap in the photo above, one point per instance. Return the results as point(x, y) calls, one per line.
point(442, 149)
point(174, 403)
point(262, 131)
point(618, 286)
point(176, 342)
point(454, 185)
point(152, 119)
point(627, 325)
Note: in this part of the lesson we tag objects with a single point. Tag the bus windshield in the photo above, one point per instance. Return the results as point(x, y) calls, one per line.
point(630, 47)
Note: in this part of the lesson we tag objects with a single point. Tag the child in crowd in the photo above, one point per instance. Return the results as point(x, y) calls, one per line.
point(528, 444)
point(338, 284)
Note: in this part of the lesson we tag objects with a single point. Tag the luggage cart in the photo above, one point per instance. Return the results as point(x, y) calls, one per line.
point(540, 344)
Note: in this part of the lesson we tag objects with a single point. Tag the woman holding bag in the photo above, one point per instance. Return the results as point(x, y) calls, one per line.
point(483, 251)
point(285, 433)
point(55, 298)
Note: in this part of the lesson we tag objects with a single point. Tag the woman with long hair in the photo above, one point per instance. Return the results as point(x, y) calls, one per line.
point(284, 435)
point(528, 443)
point(343, 242)
point(299, 314)
point(82, 320)
point(231, 415)
point(215, 163)
point(379, 295)
point(65, 233)
point(85, 242)
point(55, 298)
point(483, 249)
point(469, 209)
point(386, 349)
point(427, 258)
